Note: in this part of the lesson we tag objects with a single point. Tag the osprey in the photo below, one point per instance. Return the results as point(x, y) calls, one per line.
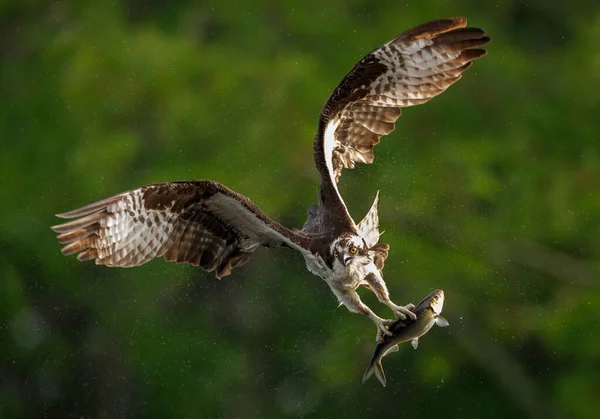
point(206, 224)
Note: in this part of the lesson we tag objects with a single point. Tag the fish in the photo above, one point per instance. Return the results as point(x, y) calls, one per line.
point(428, 313)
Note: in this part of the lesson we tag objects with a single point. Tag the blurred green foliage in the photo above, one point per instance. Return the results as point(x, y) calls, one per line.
point(490, 192)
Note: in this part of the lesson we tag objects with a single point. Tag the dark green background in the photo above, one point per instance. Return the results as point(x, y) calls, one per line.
point(491, 192)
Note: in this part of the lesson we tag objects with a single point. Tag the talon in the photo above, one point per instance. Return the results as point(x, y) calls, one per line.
point(402, 312)
point(382, 329)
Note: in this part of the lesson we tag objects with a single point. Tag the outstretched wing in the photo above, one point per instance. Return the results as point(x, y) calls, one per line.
point(412, 68)
point(198, 222)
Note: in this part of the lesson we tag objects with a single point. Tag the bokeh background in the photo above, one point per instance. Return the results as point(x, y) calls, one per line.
point(491, 192)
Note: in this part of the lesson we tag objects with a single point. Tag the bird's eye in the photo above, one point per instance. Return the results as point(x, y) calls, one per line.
point(336, 253)
point(353, 250)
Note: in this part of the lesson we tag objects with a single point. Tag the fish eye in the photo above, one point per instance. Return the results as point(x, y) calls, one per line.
point(336, 253)
point(353, 250)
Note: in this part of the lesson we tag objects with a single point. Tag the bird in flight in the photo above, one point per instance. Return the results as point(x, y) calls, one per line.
point(206, 224)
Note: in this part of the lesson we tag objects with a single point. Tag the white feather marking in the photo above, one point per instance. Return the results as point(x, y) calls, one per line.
point(329, 143)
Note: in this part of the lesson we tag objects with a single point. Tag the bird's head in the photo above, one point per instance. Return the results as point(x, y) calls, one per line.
point(349, 249)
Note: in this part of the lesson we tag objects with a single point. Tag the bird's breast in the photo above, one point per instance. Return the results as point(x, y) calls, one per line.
point(348, 276)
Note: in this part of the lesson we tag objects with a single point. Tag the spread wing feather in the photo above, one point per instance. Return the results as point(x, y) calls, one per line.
point(411, 69)
point(198, 222)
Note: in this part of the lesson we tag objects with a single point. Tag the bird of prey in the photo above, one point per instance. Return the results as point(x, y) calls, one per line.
point(206, 224)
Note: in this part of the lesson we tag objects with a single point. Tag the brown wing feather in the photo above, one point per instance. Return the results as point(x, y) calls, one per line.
point(199, 222)
point(412, 68)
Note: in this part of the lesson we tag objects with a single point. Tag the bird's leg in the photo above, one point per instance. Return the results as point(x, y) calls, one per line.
point(377, 285)
point(350, 298)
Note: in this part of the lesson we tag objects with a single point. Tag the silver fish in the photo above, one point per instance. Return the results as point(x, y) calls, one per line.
point(428, 313)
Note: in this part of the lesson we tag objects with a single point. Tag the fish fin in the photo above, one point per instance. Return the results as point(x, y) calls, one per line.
point(379, 373)
point(368, 373)
point(415, 343)
point(392, 349)
point(441, 322)
point(375, 367)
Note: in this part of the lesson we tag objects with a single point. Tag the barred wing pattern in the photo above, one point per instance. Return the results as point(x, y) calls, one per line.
point(198, 222)
point(206, 224)
point(412, 68)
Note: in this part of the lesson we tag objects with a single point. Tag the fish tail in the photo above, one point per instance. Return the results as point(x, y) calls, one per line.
point(379, 372)
point(376, 367)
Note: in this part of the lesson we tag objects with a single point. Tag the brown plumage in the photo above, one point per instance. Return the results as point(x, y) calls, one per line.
point(411, 69)
point(189, 222)
point(206, 224)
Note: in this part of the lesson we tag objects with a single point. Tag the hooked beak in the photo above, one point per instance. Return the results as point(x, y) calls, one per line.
point(344, 259)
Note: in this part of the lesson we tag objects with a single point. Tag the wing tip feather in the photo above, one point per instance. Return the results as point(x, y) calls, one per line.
point(435, 27)
point(56, 228)
point(87, 254)
point(473, 54)
point(74, 247)
point(460, 20)
point(91, 208)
